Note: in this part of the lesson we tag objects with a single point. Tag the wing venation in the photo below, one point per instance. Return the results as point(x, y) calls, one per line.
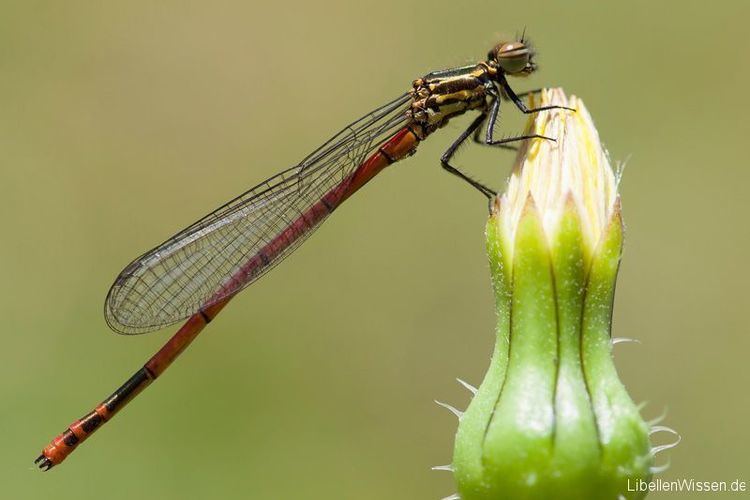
point(193, 268)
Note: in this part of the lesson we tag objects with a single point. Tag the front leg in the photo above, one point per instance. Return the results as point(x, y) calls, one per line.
point(523, 94)
point(519, 103)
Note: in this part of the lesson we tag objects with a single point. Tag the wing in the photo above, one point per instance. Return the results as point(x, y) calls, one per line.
point(198, 266)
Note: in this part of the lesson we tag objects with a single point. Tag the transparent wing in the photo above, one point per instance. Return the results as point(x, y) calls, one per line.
point(199, 265)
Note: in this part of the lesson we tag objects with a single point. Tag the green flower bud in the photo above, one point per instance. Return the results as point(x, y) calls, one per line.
point(551, 418)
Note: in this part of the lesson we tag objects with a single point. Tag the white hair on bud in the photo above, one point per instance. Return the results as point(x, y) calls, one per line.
point(468, 386)
point(458, 413)
point(448, 467)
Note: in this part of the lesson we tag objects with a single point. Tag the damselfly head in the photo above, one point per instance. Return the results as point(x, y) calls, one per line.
point(513, 58)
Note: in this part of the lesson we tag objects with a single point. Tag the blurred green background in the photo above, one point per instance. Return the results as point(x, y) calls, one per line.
point(121, 122)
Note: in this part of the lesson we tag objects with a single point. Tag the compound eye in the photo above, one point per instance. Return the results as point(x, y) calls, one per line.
point(513, 57)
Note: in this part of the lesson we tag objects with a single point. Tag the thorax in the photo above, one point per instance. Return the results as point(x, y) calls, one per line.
point(439, 96)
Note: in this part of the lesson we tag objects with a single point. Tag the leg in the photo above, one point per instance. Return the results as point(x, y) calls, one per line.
point(529, 92)
point(445, 159)
point(476, 137)
point(519, 103)
point(487, 141)
point(502, 143)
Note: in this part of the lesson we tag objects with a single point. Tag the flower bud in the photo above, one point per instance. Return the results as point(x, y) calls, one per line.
point(551, 418)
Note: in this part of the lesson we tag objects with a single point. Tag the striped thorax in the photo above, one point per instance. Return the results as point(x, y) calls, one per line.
point(441, 95)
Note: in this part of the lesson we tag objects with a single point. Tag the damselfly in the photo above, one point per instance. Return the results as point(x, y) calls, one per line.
point(193, 274)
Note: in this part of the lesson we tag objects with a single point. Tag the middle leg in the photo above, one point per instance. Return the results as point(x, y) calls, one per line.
point(490, 140)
